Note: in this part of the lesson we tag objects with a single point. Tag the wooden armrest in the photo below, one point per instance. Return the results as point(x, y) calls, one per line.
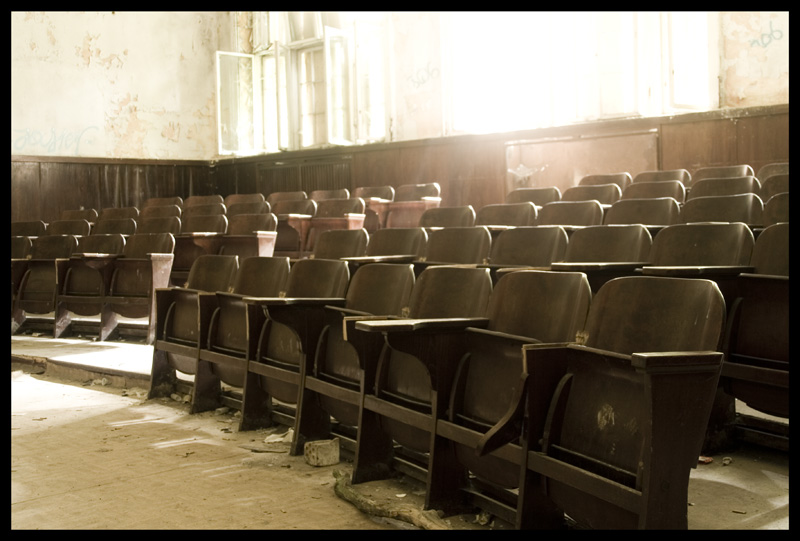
point(705, 270)
point(588, 266)
point(286, 301)
point(432, 324)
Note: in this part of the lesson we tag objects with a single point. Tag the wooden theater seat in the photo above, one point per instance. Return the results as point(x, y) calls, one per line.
point(463, 216)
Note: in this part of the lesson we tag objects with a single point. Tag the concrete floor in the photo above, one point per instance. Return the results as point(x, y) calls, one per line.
point(746, 489)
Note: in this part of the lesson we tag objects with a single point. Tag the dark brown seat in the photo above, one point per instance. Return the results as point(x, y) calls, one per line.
point(233, 330)
point(410, 202)
point(236, 198)
point(201, 200)
point(160, 211)
point(294, 222)
point(395, 245)
point(200, 235)
point(724, 171)
point(606, 194)
point(250, 235)
point(69, 227)
point(615, 423)
point(248, 207)
point(538, 196)
point(164, 224)
point(456, 245)
point(776, 210)
point(144, 267)
point(655, 213)
point(341, 243)
point(332, 384)
point(121, 226)
point(385, 193)
point(118, 213)
point(723, 186)
point(322, 195)
point(526, 307)
point(287, 341)
point(32, 228)
point(333, 214)
point(520, 247)
point(571, 213)
point(87, 279)
point(681, 175)
point(774, 185)
point(21, 247)
point(463, 216)
point(655, 189)
point(746, 208)
point(37, 280)
point(163, 201)
point(90, 215)
point(620, 179)
point(377, 196)
point(179, 331)
point(399, 399)
point(504, 215)
point(208, 209)
point(274, 197)
point(247, 224)
point(776, 168)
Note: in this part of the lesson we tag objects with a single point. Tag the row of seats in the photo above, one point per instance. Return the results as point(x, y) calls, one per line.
point(424, 369)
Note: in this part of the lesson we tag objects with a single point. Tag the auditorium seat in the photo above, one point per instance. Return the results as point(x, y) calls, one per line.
point(770, 169)
point(144, 267)
point(456, 245)
point(201, 200)
point(332, 382)
point(206, 209)
point(539, 196)
point(604, 252)
point(179, 331)
point(615, 423)
point(606, 194)
point(21, 247)
point(532, 247)
point(87, 278)
point(163, 201)
point(160, 211)
point(287, 341)
point(341, 244)
point(200, 235)
point(399, 399)
point(620, 179)
point(395, 245)
point(655, 189)
point(655, 213)
point(773, 185)
point(274, 197)
point(723, 186)
point(374, 196)
point(385, 193)
point(747, 208)
point(463, 216)
point(249, 235)
point(118, 213)
point(335, 214)
point(336, 193)
point(247, 207)
point(526, 307)
point(681, 175)
point(294, 221)
point(501, 216)
point(163, 224)
point(776, 209)
point(571, 214)
point(38, 278)
point(31, 228)
point(724, 171)
point(233, 330)
point(115, 226)
point(410, 201)
point(90, 215)
point(69, 227)
point(236, 198)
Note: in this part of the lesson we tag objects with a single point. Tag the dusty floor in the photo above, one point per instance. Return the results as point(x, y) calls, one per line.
point(92, 454)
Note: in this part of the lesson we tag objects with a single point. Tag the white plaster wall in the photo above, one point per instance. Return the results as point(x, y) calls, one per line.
point(115, 84)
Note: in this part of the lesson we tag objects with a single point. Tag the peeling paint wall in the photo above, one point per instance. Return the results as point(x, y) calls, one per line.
point(755, 58)
point(136, 85)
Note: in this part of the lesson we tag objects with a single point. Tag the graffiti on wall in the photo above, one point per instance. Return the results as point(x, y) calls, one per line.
point(767, 37)
point(64, 143)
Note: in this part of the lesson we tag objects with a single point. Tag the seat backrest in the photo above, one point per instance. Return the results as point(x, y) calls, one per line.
point(141, 244)
point(334, 208)
point(776, 209)
point(606, 194)
point(163, 201)
point(415, 192)
point(246, 224)
point(771, 250)
point(655, 211)
point(770, 169)
point(69, 227)
point(211, 223)
point(448, 291)
point(295, 206)
point(32, 228)
point(398, 241)
point(745, 207)
point(703, 244)
point(160, 211)
point(578, 213)
point(740, 170)
point(247, 207)
point(774, 184)
point(165, 224)
point(118, 213)
point(204, 210)
point(82, 214)
point(318, 278)
point(338, 243)
point(724, 186)
point(548, 306)
point(463, 216)
point(54, 246)
point(213, 273)
point(381, 289)
point(620, 179)
point(465, 245)
point(534, 246)
point(512, 214)
point(380, 192)
point(681, 175)
point(101, 244)
point(21, 247)
point(200, 200)
point(262, 276)
point(609, 243)
point(235, 198)
point(641, 314)
point(654, 189)
point(538, 196)
point(322, 195)
point(123, 226)
point(274, 197)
